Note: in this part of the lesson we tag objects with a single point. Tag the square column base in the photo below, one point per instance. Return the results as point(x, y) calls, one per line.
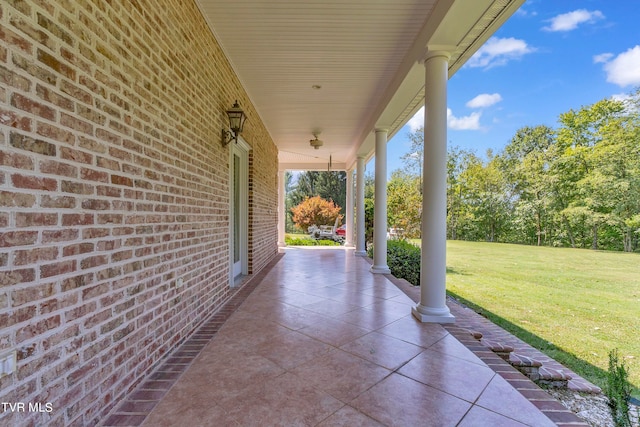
point(360, 253)
point(432, 315)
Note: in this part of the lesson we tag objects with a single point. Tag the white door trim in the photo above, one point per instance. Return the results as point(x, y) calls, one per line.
point(240, 267)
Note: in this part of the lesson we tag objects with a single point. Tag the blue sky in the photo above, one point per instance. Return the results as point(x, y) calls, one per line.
point(548, 58)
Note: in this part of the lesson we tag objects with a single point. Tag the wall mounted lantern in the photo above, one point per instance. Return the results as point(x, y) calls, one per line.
point(236, 123)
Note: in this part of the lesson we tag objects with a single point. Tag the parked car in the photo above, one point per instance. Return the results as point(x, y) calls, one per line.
point(342, 230)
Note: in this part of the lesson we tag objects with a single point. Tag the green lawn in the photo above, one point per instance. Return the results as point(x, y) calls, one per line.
point(575, 305)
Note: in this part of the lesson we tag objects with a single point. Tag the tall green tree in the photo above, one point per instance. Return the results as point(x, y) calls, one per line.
point(330, 185)
point(459, 216)
point(525, 162)
point(288, 202)
point(333, 186)
point(584, 138)
point(487, 197)
point(612, 188)
point(414, 158)
point(404, 203)
point(369, 193)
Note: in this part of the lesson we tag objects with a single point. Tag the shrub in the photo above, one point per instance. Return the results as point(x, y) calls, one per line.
point(368, 222)
point(301, 241)
point(618, 390)
point(403, 259)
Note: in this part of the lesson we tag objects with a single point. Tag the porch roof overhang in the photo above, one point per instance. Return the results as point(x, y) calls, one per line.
point(345, 67)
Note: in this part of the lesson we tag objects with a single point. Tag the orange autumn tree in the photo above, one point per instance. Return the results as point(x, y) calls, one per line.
point(315, 211)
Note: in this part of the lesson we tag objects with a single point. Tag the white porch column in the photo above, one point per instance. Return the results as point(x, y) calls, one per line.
point(432, 306)
point(380, 208)
point(349, 210)
point(281, 207)
point(361, 249)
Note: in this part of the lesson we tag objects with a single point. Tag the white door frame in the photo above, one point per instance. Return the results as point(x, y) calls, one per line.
point(240, 267)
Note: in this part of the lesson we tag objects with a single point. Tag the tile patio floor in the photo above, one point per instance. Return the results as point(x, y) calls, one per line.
point(321, 341)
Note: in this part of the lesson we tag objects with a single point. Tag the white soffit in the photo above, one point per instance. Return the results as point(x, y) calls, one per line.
point(358, 51)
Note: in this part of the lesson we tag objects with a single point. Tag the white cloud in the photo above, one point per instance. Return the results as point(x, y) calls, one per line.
point(525, 13)
point(498, 51)
point(627, 100)
point(602, 58)
point(622, 97)
point(570, 21)
point(417, 121)
point(624, 69)
point(470, 122)
point(484, 100)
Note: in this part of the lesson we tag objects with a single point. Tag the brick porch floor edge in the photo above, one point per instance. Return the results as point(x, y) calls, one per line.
point(140, 402)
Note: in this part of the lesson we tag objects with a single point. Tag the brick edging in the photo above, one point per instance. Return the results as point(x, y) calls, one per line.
point(547, 404)
point(138, 404)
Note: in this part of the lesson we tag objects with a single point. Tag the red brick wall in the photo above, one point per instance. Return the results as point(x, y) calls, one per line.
point(114, 185)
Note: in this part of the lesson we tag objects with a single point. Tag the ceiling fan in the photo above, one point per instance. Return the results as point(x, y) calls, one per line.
point(316, 143)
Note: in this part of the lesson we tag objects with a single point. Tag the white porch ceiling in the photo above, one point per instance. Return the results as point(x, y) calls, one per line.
point(363, 53)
